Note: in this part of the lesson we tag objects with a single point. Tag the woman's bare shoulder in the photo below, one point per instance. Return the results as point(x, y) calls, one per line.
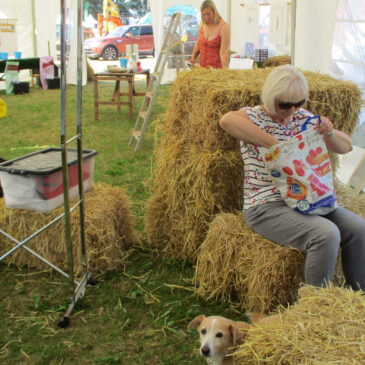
point(224, 28)
point(222, 23)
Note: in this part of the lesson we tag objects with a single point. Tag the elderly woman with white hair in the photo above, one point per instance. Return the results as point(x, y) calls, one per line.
point(319, 236)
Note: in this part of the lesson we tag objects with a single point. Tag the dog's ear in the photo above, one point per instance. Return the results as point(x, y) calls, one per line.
point(196, 322)
point(238, 333)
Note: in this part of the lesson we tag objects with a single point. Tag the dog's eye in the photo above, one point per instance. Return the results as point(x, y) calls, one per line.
point(219, 334)
point(203, 331)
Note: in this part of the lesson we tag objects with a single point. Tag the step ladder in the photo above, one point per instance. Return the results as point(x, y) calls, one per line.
point(172, 46)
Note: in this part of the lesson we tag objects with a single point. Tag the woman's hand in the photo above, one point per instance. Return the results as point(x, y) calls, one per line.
point(326, 127)
point(336, 141)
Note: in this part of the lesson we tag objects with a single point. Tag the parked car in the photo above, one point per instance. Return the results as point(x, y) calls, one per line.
point(112, 46)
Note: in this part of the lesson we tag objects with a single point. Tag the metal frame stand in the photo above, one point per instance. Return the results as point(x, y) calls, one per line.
point(78, 288)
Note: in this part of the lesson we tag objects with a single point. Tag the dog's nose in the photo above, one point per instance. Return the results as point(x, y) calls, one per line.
point(205, 351)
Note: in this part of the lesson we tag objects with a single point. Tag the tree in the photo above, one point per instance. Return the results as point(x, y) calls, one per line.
point(95, 7)
point(138, 8)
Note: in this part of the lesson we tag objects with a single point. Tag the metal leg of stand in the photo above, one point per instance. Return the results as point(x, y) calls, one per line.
point(79, 291)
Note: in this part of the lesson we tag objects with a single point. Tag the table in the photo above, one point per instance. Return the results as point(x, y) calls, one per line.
point(118, 77)
point(25, 64)
point(31, 64)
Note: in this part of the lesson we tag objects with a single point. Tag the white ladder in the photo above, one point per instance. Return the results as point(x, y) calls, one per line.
point(172, 44)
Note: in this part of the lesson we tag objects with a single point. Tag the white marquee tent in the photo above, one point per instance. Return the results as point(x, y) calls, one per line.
point(36, 21)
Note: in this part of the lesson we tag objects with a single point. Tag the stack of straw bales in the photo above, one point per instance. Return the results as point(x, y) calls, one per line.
point(198, 174)
point(198, 170)
point(325, 326)
point(108, 230)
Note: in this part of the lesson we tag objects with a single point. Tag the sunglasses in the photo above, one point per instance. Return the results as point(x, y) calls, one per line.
point(287, 106)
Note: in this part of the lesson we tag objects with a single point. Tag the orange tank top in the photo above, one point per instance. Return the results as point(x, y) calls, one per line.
point(209, 49)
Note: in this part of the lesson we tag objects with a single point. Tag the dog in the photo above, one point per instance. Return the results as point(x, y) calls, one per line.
point(219, 336)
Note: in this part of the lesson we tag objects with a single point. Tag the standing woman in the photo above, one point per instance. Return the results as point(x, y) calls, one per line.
point(213, 40)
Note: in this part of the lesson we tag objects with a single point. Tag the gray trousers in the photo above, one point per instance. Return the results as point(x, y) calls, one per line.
point(320, 237)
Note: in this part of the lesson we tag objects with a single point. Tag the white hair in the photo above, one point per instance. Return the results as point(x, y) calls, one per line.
point(285, 83)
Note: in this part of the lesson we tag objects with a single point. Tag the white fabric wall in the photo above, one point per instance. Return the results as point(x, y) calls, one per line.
point(46, 14)
point(314, 32)
point(236, 23)
point(9, 41)
point(71, 72)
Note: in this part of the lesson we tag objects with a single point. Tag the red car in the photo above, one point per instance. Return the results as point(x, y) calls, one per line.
point(113, 45)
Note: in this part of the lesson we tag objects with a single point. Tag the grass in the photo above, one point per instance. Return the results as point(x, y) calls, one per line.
point(136, 315)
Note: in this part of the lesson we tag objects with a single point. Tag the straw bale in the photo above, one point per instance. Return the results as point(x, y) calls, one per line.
point(347, 199)
point(108, 232)
point(198, 169)
point(277, 61)
point(182, 208)
point(235, 264)
point(325, 326)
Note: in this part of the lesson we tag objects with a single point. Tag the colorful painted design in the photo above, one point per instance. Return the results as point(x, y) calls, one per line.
point(303, 173)
point(258, 182)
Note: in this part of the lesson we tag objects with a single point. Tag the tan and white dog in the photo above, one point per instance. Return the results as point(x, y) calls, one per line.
point(218, 337)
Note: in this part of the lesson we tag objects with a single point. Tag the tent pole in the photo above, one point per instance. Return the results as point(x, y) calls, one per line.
point(34, 36)
point(293, 25)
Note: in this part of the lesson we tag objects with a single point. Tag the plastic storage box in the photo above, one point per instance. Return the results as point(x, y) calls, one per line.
point(53, 83)
point(34, 181)
point(21, 87)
